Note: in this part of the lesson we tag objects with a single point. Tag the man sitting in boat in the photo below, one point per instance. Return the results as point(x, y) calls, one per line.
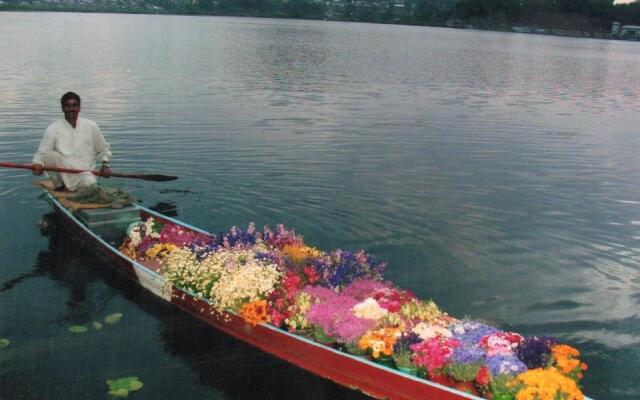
point(72, 142)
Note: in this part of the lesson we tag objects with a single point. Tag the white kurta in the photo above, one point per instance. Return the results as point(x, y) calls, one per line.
point(76, 148)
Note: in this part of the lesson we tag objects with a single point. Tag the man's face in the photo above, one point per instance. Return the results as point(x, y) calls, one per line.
point(71, 108)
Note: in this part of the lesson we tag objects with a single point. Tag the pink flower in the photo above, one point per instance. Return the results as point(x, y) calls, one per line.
point(363, 288)
point(434, 354)
point(501, 343)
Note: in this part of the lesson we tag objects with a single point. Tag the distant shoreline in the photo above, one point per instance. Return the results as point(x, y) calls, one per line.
point(452, 23)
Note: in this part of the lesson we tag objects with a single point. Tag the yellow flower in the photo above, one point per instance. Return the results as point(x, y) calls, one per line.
point(545, 384)
point(298, 254)
point(160, 250)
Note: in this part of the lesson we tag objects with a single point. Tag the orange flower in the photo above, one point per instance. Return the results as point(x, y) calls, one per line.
point(255, 312)
point(563, 350)
point(380, 341)
point(566, 361)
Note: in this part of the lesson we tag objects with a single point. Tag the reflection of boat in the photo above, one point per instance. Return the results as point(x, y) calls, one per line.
point(104, 229)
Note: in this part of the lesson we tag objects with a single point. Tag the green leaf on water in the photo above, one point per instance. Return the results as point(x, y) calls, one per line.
point(113, 318)
point(78, 329)
point(97, 325)
point(121, 387)
point(135, 385)
point(4, 343)
point(119, 392)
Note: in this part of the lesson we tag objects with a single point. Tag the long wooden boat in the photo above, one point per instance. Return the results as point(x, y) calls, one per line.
point(104, 229)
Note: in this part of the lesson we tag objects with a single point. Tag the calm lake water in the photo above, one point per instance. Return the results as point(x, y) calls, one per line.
point(497, 173)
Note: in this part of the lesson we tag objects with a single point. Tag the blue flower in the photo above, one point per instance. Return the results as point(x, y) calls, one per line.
point(505, 365)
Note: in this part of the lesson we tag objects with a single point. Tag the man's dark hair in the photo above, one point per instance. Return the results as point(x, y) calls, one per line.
point(69, 96)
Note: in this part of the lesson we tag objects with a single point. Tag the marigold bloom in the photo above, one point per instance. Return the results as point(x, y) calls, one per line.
point(546, 384)
point(255, 312)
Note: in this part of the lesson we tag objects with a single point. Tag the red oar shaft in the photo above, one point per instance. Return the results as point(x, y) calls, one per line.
point(146, 177)
point(52, 169)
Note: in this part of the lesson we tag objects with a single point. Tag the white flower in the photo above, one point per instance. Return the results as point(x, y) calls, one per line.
point(426, 331)
point(369, 309)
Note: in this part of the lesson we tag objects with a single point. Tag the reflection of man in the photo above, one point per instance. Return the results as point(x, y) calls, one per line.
point(72, 142)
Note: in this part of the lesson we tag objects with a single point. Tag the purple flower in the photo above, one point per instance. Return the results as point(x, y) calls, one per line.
point(404, 342)
point(535, 351)
point(468, 355)
point(470, 332)
point(343, 267)
point(281, 237)
point(504, 365)
point(203, 245)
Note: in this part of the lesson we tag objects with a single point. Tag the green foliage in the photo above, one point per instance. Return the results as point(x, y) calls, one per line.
point(121, 387)
point(4, 343)
point(112, 318)
point(77, 329)
point(464, 372)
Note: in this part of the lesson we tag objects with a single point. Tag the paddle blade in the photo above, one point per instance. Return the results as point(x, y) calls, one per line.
point(158, 178)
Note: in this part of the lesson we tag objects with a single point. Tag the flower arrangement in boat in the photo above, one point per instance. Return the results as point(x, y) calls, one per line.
point(335, 315)
point(501, 343)
point(238, 284)
point(340, 297)
point(342, 267)
point(392, 299)
point(402, 353)
point(299, 255)
point(434, 354)
point(255, 312)
point(565, 360)
point(160, 250)
point(426, 331)
point(503, 369)
point(282, 299)
point(465, 363)
point(471, 332)
point(545, 384)
point(369, 309)
point(535, 351)
point(281, 237)
point(297, 317)
point(380, 342)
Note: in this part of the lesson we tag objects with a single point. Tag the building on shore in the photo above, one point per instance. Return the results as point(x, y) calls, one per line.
point(630, 32)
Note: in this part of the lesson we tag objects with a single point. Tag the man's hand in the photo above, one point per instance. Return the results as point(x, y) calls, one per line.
point(37, 169)
point(105, 171)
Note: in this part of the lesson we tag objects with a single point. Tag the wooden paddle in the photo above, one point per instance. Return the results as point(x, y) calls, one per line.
point(146, 177)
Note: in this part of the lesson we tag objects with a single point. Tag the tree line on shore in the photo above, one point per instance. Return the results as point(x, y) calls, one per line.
point(574, 15)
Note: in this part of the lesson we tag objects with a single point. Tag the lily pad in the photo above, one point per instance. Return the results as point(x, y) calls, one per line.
point(97, 325)
point(4, 343)
point(113, 318)
point(121, 387)
point(122, 392)
point(78, 329)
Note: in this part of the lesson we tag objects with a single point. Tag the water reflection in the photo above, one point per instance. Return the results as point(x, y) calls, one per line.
point(197, 360)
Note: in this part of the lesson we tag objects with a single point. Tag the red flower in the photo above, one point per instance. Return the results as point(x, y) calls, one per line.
point(483, 376)
point(311, 274)
point(291, 284)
